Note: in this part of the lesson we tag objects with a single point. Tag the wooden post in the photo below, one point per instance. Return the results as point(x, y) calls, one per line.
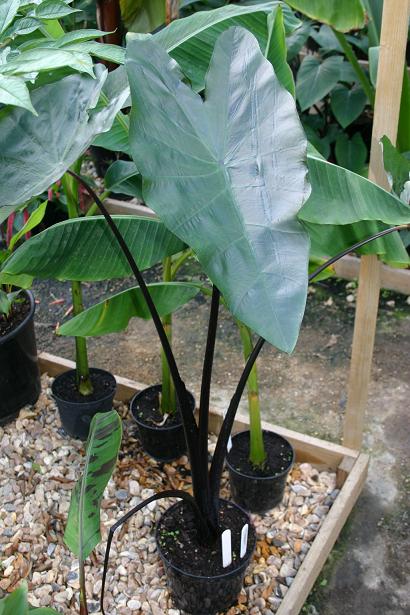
point(393, 42)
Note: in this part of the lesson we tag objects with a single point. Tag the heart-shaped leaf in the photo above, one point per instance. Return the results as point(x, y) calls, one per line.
point(347, 103)
point(228, 175)
point(316, 79)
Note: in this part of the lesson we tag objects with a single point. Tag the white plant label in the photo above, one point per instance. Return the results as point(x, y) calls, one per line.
point(226, 548)
point(229, 445)
point(244, 539)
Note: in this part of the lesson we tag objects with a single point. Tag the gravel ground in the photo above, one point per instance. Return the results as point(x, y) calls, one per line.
point(39, 466)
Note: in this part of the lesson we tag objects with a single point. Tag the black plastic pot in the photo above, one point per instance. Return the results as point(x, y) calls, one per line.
point(206, 595)
point(259, 494)
point(163, 443)
point(76, 415)
point(19, 372)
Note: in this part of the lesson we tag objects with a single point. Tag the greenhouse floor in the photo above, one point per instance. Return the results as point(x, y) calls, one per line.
point(368, 572)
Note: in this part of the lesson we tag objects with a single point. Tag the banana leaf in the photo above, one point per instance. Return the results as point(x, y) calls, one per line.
point(114, 314)
point(82, 532)
point(84, 249)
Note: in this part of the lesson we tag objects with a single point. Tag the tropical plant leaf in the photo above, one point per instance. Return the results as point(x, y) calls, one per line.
point(122, 176)
point(276, 51)
point(396, 165)
point(343, 16)
point(114, 314)
point(78, 36)
point(8, 10)
point(84, 249)
point(13, 91)
point(316, 79)
point(351, 153)
point(328, 240)
point(190, 41)
point(211, 172)
point(54, 9)
point(40, 59)
point(342, 197)
point(36, 151)
point(326, 39)
point(347, 103)
point(296, 40)
point(82, 532)
point(33, 221)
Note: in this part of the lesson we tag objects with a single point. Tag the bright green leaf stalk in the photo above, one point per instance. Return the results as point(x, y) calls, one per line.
point(168, 397)
point(257, 454)
point(84, 383)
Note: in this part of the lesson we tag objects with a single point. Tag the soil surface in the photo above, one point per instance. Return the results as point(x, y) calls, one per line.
point(66, 387)
point(146, 409)
point(369, 571)
point(279, 455)
point(19, 311)
point(178, 538)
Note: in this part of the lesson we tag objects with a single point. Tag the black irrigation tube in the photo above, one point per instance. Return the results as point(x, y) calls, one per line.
point(170, 493)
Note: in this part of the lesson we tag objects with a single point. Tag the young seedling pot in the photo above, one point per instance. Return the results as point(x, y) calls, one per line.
point(197, 580)
point(19, 373)
point(76, 410)
point(259, 490)
point(164, 441)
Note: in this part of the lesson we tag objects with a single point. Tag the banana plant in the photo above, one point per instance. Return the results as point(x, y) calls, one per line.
point(82, 533)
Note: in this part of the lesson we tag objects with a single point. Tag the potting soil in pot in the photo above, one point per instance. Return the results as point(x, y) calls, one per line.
point(39, 466)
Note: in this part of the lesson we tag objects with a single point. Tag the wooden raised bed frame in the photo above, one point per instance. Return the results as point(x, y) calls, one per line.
point(350, 467)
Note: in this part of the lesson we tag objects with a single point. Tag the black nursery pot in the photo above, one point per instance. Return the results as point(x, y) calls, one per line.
point(19, 372)
point(255, 490)
point(76, 410)
point(196, 593)
point(163, 443)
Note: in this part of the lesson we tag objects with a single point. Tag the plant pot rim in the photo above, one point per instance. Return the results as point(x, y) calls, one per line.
point(152, 427)
point(75, 404)
point(265, 432)
point(243, 565)
point(11, 334)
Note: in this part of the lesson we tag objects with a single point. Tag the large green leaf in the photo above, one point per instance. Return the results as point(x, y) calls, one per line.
point(347, 103)
point(296, 40)
point(341, 197)
point(190, 41)
point(82, 532)
point(114, 314)
point(54, 9)
point(84, 249)
point(343, 15)
point(227, 175)
point(316, 79)
point(36, 151)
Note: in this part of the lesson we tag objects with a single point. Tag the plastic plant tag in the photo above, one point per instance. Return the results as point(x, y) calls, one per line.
point(229, 445)
point(226, 548)
point(244, 540)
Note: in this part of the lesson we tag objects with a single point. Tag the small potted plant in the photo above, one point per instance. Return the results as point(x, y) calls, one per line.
point(19, 372)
